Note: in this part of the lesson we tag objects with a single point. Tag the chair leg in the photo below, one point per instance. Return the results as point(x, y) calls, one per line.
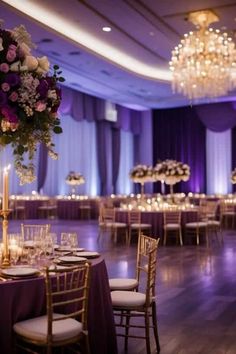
point(127, 321)
point(165, 235)
point(180, 237)
point(155, 329)
point(147, 333)
point(197, 235)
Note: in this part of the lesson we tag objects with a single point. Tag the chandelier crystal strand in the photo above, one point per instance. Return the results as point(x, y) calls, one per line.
point(203, 64)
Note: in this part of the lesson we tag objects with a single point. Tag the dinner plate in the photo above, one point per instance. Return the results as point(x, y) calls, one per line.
point(68, 248)
point(71, 259)
point(88, 254)
point(19, 272)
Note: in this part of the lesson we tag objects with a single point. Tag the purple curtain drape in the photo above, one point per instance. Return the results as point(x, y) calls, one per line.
point(115, 157)
point(42, 167)
point(217, 117)
point(102, 129)
point(233, 153)
point(179, 134)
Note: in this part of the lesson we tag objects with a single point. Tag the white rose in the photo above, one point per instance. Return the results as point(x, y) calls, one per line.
point(43, 66)
point(15, 67)
point(52, 94)
point(24, 49)
point(31, 62)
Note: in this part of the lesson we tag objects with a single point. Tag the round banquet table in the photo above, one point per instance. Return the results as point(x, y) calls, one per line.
point(69, 209)
point(155, 218)
point(23, 299)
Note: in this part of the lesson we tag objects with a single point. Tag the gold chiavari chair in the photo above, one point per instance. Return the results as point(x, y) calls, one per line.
point(128, 305)
point(172, 225)
point(65, 322)
point(227, 214)
point(132, 283)
point(108, 223)
point(135, 224)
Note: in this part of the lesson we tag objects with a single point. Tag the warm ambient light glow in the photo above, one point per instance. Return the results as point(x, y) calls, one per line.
point(63, 26)
point(204, 61)
point(106, 29)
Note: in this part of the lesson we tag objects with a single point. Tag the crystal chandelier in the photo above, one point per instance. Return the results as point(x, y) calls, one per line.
point(203, 63)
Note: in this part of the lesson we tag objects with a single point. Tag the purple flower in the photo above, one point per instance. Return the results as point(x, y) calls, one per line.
point(42, 88)
point(4, 67)
point(13, 96)
point(11, 55)
point(5, 87)
point(12, 79)
point(9, 114)
point(3, 98)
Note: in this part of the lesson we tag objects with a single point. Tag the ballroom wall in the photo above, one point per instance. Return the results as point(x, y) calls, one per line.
point(104, 151)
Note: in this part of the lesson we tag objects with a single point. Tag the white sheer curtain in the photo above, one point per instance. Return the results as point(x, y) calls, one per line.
point(218, 151)
point(124, 184)
point(76, 147)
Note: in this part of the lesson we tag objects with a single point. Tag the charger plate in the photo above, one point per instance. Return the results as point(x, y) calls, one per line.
point(88, 254)
point(19, 272)
point(71, 259)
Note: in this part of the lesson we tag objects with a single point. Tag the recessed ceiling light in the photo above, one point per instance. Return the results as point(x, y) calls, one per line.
point(106, 29)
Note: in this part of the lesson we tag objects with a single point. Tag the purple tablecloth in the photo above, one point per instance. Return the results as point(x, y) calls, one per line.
point(23, 299)
point(155, 218)
point(70, 209)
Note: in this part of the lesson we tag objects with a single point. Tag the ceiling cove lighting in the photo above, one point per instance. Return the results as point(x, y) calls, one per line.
point(65, 27)
point(203, 63)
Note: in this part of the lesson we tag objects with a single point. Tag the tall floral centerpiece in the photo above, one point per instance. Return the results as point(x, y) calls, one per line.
point(74, 179)
point(141, 174)
point(29, 100)
point(171, 172)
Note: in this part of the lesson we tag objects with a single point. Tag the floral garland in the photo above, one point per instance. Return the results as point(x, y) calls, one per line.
point(29, 100)
point(141, 174)
point(233, 176)
point(171, 171)
point(75, 179)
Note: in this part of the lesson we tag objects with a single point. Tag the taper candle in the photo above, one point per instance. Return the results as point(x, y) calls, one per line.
point(5, 188)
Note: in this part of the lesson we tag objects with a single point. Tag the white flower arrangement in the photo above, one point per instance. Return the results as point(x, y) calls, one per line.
point(141, 174)
point(171, 171)
point(233, 176)
point(75, 179)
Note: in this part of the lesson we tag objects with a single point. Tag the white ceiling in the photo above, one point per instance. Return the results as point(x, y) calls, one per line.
point(146, 30)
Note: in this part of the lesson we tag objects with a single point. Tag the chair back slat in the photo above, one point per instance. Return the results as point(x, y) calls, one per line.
point(146, 262)
point(67, 294)
point(172, 217)
point(134, 217)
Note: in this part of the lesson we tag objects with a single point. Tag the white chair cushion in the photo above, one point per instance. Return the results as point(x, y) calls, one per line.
point(36, 328)
point(140, 226)
point(119, 224)
point(127, 298)
point(172, 226)
point(213, 223)
point(196, 224)
point(122, 283)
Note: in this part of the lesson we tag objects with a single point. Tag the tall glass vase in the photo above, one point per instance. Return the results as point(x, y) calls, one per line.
point(142, 189)
point(172, 193)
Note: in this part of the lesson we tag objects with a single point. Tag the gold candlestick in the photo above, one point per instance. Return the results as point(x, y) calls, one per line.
point(6, 262)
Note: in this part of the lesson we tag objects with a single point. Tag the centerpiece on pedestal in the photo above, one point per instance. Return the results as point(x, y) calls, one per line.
point(74, 179)
point(141, 174)
point(171, 172)
point(29, 100)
